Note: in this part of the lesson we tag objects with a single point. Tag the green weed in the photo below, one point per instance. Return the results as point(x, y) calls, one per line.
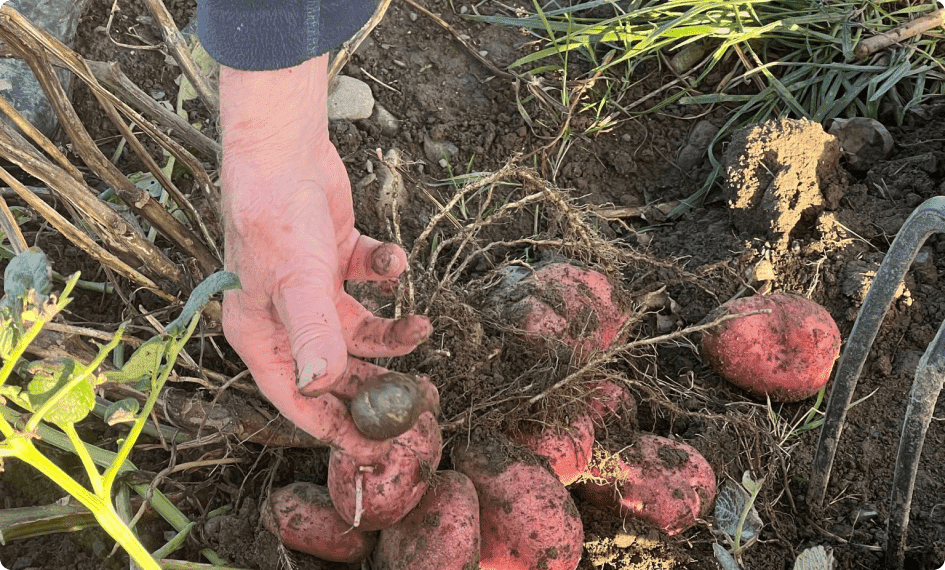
point(58, 393)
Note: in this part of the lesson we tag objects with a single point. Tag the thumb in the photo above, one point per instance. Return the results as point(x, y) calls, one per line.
point(314, 330)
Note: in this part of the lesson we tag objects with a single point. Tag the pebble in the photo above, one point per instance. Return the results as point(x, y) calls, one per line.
point(413, 16)
point(17, 83)
point(865, 141)
point(385, 120)
point(435, 151)
point(350, 99)
point(692, 154)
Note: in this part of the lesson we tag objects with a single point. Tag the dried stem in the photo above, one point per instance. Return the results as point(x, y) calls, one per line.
point(31, 43)
point(351, 46)
point(178, 47)
point(72, 233)
point(110, 74)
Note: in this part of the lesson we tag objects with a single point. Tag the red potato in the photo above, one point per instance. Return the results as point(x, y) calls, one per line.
point(442, 533)
point(302, 515)
point(572, 304)
point(607, 400)
point(787, 354)
point(567, 449)
point(527, 517)
point(664, 483)
point(397, 482)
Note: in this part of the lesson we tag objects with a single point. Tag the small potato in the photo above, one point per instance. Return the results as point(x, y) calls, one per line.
point(527, 517)
point(786, 354)
point(664, 483)
point(389, 405)
point(397, 482)
point(442, 533)
point(607, 399)
point(302, 515)
point(567, 449)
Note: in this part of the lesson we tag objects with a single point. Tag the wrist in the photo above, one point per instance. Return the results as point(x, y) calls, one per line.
point(277, 113)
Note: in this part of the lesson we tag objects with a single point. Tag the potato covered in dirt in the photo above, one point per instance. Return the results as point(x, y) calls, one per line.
point(664, 483)
point(304, 518)
point(607, 400)
point(442, 533)
point(527, 517)
point(567, 448)
point(786, 354)
point(572, 304)
point(392, 487)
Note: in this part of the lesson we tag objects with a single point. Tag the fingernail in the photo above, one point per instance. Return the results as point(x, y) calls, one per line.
point(311, 373)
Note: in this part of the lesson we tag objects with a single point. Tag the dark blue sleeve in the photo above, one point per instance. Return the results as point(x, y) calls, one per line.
point(274, 34)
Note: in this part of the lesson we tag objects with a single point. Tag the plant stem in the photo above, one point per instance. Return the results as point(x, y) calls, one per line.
point(100, 506)
point(94, 476)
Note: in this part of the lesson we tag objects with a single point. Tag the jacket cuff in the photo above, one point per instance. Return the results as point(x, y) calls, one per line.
point(262, 35)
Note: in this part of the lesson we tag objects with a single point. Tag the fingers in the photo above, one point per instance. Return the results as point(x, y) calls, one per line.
point(314, 333)
point(369, 336)
point(358, 371)
point(372, 260)
point(263, 345)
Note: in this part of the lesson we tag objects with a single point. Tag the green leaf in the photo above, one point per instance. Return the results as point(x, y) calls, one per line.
point(121, 411)
point(815, 558)
point(142, 363)
point(204, 63)
point(27, 271)
point(726, 561)
point(219, 281)
point(49, 378)
point(10, 334)
point(750, 485)
point(730, 504)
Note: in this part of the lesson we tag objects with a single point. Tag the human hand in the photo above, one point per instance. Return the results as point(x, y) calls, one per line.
point(290, 237)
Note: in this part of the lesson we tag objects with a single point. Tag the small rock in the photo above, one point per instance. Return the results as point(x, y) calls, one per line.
point(763, 271)
point(17, 82)
point(413, 16)
point(435, 151)
point(350, 99)
point(691, 155)
point(864, 141)
point(387, 122)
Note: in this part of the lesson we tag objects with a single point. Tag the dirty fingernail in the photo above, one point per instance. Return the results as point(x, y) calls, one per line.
point(311, 373)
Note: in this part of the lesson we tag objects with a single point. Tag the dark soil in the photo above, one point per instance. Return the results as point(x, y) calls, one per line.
point(822, 232)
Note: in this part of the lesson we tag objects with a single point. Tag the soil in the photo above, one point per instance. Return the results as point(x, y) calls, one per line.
point(817, 229)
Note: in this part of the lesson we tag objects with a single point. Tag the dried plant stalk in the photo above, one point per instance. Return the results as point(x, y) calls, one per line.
point(178, 47)
point(63, 225)
point(31, 44)
point(110, 74)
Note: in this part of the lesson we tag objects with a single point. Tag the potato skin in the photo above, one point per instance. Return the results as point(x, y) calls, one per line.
point(607, 400)
point(787, 354)
point(575, 305)
point(527, 517)
point(442, 533)
point(397, 483)
point(568, 449)
point(302, 515)
point(662, 482)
